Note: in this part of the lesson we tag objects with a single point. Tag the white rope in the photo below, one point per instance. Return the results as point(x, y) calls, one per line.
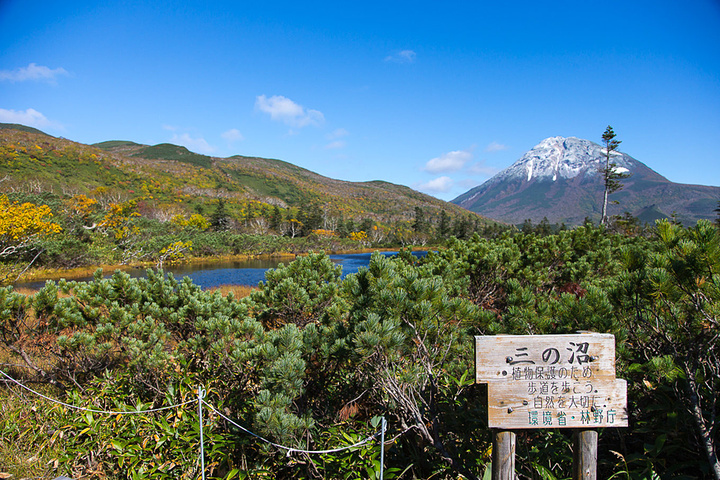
point(201, 400)
point(290, 449)
point(91, 410)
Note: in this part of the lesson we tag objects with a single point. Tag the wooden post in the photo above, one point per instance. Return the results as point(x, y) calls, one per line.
point(585, 455)
point(503, 455)
point(550, 381)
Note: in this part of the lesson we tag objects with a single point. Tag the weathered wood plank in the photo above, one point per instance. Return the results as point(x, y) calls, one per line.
point(500, 357)
point(596, 403)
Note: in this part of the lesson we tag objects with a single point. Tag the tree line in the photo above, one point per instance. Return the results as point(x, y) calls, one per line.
point(67, 231)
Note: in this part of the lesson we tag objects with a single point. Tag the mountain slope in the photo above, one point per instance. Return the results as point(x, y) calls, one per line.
point(559, 179)
point(170, 177)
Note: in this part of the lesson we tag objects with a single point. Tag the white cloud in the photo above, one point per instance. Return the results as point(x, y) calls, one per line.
point(336, 144)
point(495, 147)
point(437, 185)
point(33, 72)
point(448, 162)
point(403, 56)
point(233, 135)
point(199, 145)
point(29, 117)
point(337, 133)
point(336, 136)
point(284, 110)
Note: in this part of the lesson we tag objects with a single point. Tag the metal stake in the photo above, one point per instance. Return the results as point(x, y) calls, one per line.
point(383, 425)
point(201, 394)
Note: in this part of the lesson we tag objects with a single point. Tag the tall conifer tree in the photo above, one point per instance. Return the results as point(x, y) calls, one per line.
point(611, 177)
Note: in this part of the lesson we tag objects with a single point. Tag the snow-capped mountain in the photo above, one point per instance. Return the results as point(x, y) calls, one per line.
point(559, 179)
point(559, 157)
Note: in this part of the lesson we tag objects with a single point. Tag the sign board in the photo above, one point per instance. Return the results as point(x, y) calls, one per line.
point(551, 381)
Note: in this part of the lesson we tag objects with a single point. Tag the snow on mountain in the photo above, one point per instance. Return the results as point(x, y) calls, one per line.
point(561, 157)
point(560, 179)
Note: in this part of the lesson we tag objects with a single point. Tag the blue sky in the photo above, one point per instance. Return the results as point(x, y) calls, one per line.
point(438, 96)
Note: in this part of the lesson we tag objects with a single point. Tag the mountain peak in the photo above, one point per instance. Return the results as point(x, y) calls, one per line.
point(562, 157)
point(559, 179)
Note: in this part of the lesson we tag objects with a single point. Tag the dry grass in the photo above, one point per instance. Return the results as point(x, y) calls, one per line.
point(70, 273)
point(239, 291)
point(35, 274)
point(25, 291)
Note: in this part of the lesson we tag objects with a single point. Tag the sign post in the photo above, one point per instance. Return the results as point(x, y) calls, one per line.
point(503, 455)
point(585, 454)
point(552, 381)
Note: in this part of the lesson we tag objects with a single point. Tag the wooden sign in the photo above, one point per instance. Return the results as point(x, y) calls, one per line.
point(551, 381)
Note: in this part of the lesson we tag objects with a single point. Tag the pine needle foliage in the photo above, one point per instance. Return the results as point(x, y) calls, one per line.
point(311, 360)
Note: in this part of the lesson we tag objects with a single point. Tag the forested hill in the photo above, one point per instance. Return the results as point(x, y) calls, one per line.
point(170, 178)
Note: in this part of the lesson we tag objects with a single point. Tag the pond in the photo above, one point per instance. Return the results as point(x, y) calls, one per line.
point(238, 272)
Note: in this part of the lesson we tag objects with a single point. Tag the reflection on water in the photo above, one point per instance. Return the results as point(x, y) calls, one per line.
point(238, 272)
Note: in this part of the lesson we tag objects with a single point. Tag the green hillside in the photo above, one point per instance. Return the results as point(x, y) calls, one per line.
point(172, 175)
point(122, 202)
point(22, 128)
point(114, 144)
point(167, 151)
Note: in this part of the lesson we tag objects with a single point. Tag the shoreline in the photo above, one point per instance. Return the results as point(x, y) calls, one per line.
point(82, 272)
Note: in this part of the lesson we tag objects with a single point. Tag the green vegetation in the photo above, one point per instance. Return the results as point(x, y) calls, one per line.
point(111, 144)
point(167, 151)
point(122, 203)
point(22, 128)
point(171, 177)
point(310, 361)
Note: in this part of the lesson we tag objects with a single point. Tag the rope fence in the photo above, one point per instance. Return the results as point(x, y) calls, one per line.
point(200, 402)
point(91, 410)
point(291, 449)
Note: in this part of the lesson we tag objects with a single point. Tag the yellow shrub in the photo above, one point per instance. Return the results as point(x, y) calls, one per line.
point(360, 236)
point(21, 224)
point(324, 233)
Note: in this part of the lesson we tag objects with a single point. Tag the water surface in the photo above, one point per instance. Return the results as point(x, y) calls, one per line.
point(236, 272)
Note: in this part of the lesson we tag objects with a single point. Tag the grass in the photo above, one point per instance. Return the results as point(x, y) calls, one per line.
point(23, 128)
point(25, 291)
point(68, 274)
point(238, 291)
point(26, 448)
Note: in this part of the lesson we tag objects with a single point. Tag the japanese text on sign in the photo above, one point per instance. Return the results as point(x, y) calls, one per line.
point(551, 381)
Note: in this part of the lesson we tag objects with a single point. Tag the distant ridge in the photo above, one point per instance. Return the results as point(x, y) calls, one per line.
point(171, 178)
point(22, 128)
point(559, 179)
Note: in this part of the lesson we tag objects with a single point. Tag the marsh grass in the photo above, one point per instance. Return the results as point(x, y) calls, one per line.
point(25, 291)
point(71, 273)
point(238, 291)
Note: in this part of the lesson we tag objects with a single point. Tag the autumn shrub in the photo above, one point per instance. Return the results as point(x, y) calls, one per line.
point(309, 358)
point(23, 224)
